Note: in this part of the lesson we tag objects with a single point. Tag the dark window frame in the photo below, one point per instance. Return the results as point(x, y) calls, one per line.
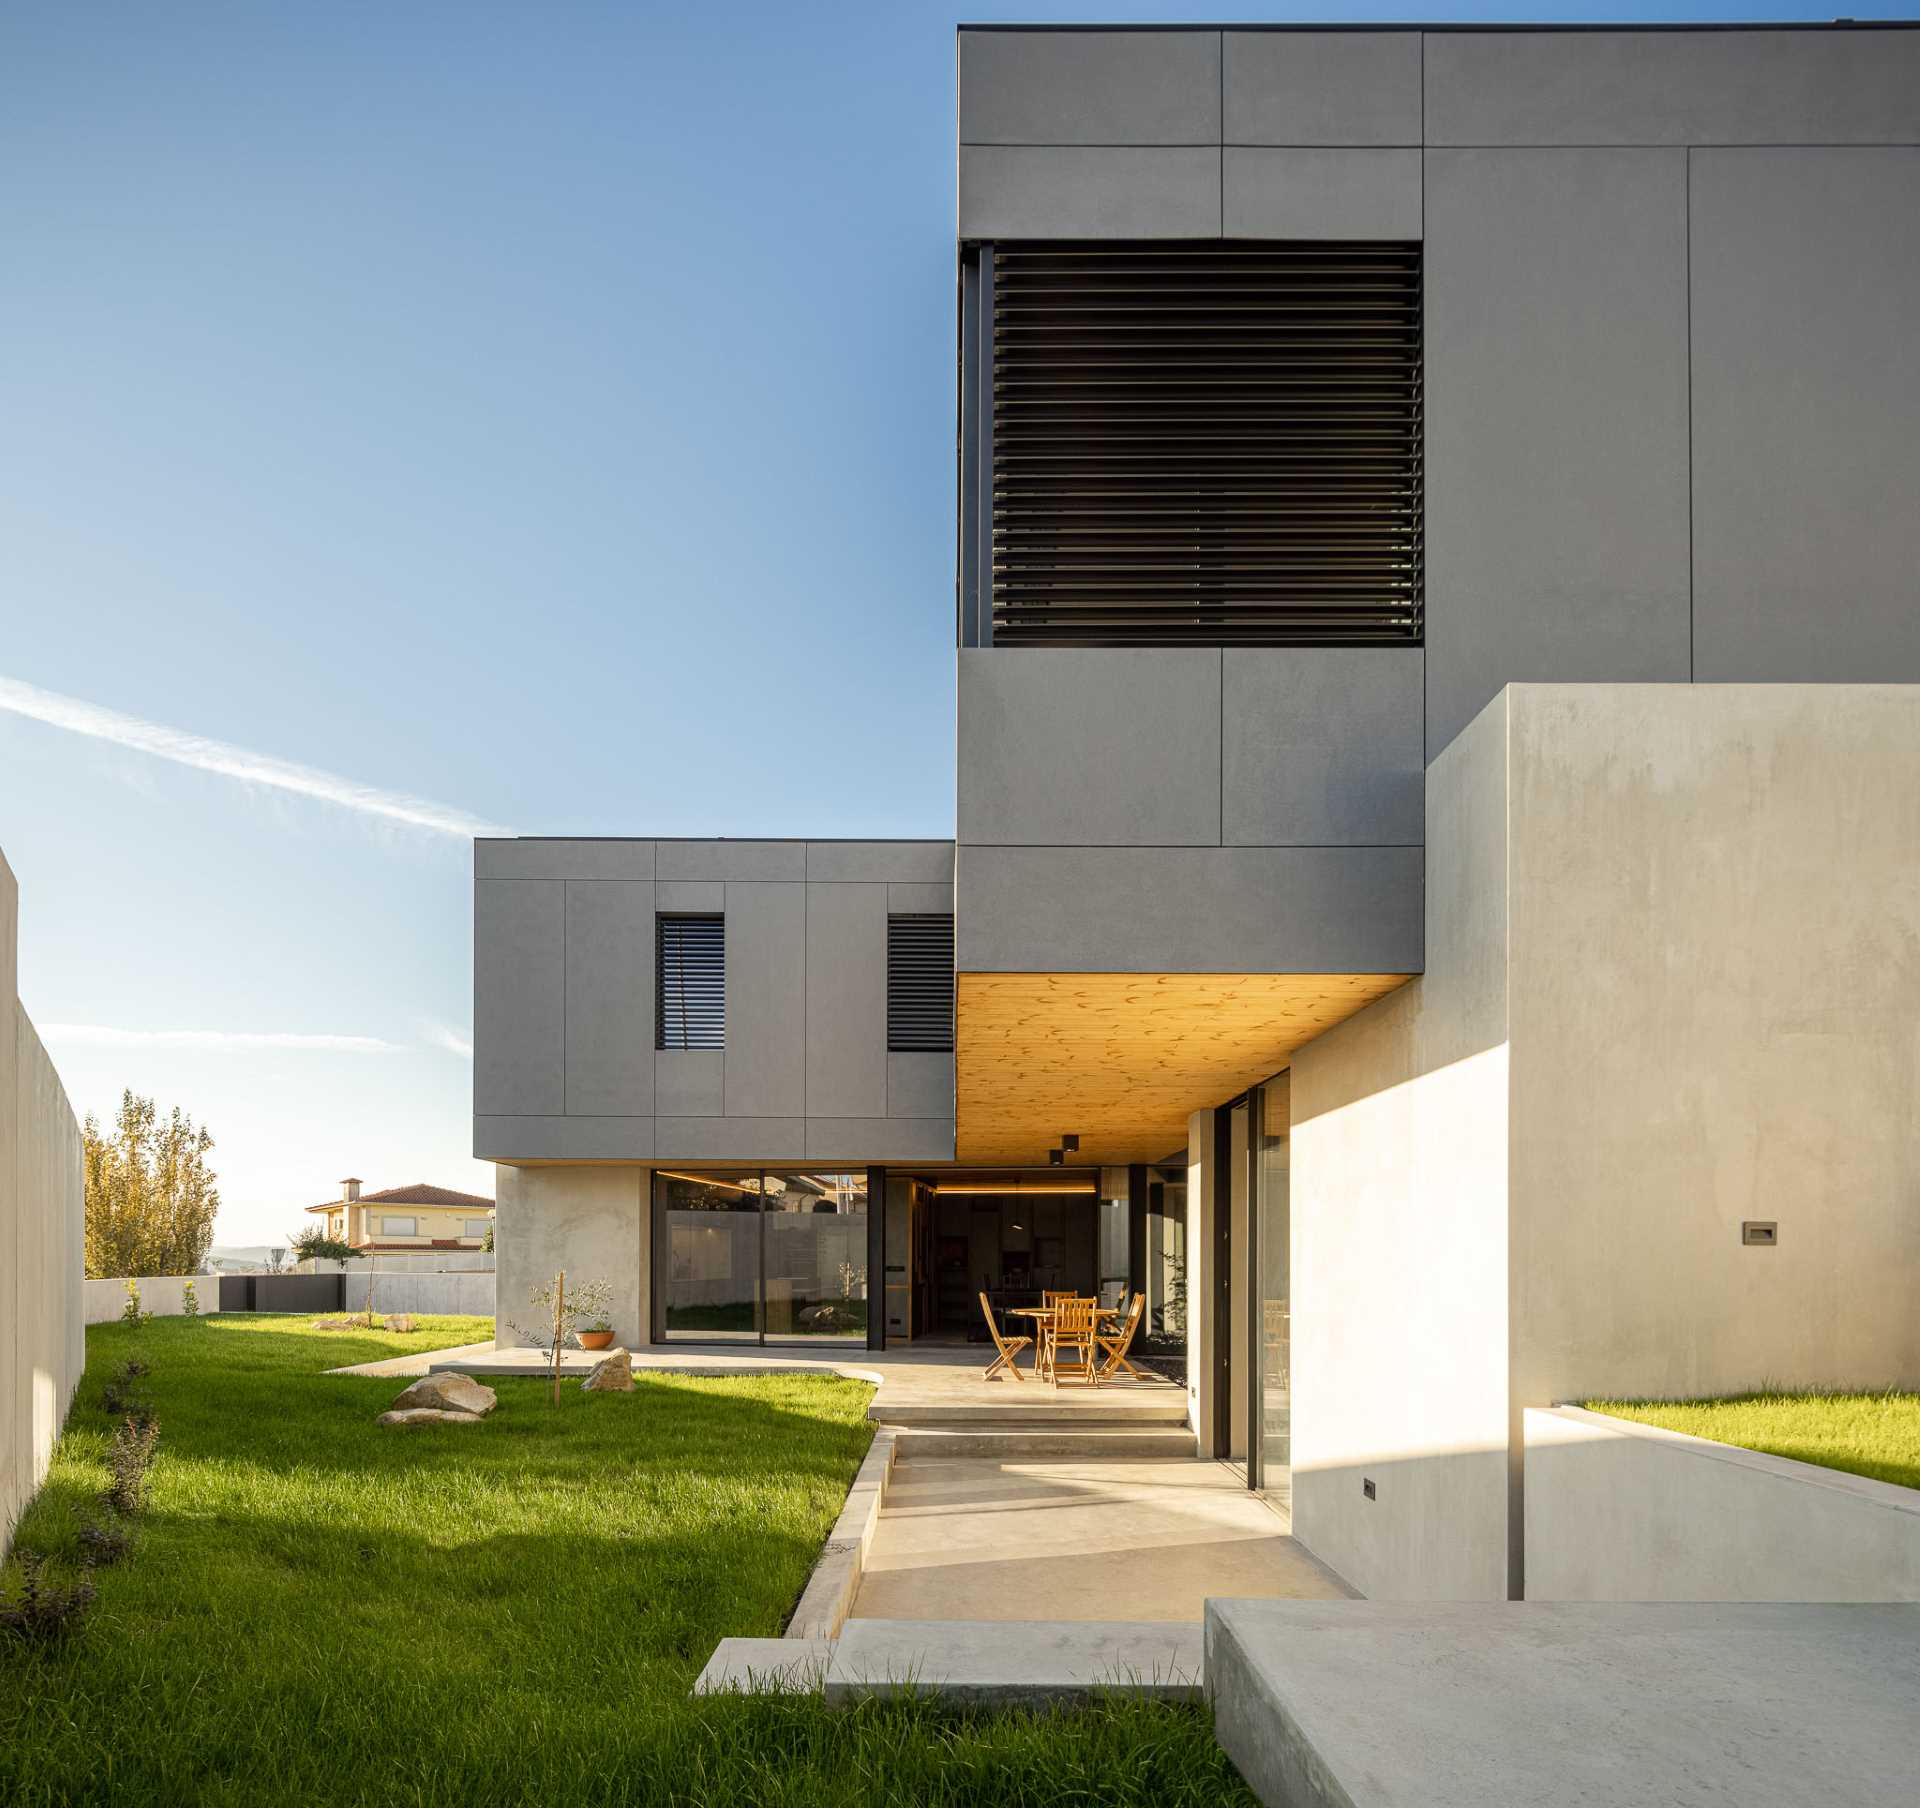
point(690, 981)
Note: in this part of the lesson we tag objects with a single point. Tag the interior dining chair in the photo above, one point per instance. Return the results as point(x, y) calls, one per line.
point(1009, 1347)
point(1073, 1351)
point(1117, 1345)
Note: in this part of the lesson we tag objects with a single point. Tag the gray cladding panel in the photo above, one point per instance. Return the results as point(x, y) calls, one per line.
point(1556, 376)
point(1323, 745)
point(610, 985)
point(690, 1082)
point(1320, 194)
point(1076, 746)
point(766, 1000)
point(920, 900)
point(920, 1085)
point(860, 1140)
point(1090, 87)
point(1806, 392)
point(1087, 192)
point(731, 860)
point(1321, 87)
point(1190, 910)
point(729, 1139)
point(562, 1138)
point(519, 996)
point(898, 862)
point(706, 897)
point(544, 857)
point(1624, 88)
point(846, 1000)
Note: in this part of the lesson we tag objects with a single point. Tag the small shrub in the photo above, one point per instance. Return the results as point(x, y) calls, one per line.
point(105, 1541)
point(44, 1610)
point(123, 1397)
point(130, 1314)
point(189, 1302)
point(129, 1458)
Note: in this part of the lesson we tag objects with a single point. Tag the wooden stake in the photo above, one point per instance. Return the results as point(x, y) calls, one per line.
point(559, 1322)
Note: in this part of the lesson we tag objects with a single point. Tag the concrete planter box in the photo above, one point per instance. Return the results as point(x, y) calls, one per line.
point(1618, 1511)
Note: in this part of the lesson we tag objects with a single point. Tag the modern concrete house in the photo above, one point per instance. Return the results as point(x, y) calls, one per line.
point(1435, 897)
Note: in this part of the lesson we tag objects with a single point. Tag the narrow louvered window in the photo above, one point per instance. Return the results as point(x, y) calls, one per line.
point(920, 984)
point(1200, 444)
point(693, 982)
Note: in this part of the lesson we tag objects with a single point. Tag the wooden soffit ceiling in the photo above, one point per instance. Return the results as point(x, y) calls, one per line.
point(1121, 1059)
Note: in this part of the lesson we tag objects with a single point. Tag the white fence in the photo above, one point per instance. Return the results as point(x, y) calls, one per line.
point(164, 1295)
point(1619, 1511)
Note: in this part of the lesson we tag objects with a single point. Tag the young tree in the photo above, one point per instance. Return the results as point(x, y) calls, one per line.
point(151, 1195)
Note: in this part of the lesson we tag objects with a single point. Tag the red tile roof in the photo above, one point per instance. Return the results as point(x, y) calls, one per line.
point(419, 1193)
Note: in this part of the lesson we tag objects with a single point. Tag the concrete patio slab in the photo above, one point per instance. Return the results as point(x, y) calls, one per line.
point(1374, 1704)
point(765, 1666)
point(1077, 1540)
point(978, 1663)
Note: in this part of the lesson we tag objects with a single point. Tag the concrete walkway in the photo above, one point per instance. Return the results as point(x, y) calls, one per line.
point(419, 1362)
point(1142, 1539)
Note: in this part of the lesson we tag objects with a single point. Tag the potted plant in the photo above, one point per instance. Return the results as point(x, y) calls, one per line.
point(596, 1333)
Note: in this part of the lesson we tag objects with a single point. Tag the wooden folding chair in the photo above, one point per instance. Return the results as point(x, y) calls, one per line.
point(1117, 1345)
point(1071, 1348)
point(1009, 1347)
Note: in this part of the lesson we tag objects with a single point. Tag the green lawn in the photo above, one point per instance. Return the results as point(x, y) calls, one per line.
point(1865, 1434)
point(321, 1611)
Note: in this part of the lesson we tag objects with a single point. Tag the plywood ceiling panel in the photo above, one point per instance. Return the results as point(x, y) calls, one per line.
point(1120, 1059)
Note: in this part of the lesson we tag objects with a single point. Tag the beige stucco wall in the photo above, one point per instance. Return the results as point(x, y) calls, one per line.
point(1399, 1240)
point(42, 1327)
point(1673, 983)
point(589, 1220)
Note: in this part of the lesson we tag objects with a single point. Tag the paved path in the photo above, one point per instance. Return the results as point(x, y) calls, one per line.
point(965, 1538)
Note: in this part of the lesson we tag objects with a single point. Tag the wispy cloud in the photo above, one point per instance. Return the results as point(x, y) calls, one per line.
point(241, 763)
point(100, 1035)
point(451, 1040)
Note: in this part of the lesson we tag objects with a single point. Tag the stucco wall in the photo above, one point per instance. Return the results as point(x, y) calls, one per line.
point(1716, 985)
point(42, 1329)
point(1673, 979)
point(162, 1295)
point(589, 1220)
point(1618, 1511)
point(1399, 1240)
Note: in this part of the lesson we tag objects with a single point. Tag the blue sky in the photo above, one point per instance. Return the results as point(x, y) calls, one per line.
point(546, 411)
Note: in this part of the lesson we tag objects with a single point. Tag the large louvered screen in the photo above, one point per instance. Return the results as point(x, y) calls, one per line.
point(692, 972)
point(920, 984)
point(1206, 443)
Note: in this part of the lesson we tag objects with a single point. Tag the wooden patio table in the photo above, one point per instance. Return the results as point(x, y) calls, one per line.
point(1042, 1317)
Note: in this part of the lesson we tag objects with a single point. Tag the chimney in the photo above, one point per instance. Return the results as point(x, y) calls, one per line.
point(350, 1189)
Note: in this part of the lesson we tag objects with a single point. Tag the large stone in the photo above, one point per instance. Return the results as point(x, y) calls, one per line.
point(448, 1392)
point(401, 1322)
point(612, 1374)
point(427, 1415)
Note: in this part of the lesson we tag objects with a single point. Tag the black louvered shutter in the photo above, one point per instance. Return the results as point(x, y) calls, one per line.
point(692, 966)
point(1206, 444)
point(920, 984)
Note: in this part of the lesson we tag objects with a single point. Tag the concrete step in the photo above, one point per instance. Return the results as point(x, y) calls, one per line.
point(1039, 1441)
point(1040, 1407)
point(1015, 1663)
point(766, 1666)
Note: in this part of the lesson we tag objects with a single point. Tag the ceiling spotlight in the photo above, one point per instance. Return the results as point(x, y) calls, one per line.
point(1071, 1144)
point(1057, 1158)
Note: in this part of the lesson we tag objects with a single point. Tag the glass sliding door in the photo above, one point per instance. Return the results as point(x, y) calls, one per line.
point(814, 1256)
point(760, 1257)
point(1273, 1326)
point(707, 1231)
point(1165, 1268)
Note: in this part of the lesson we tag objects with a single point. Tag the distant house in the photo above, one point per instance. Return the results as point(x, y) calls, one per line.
point(406, 1218)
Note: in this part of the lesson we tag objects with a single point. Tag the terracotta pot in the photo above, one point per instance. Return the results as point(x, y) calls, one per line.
point(595, 1340)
